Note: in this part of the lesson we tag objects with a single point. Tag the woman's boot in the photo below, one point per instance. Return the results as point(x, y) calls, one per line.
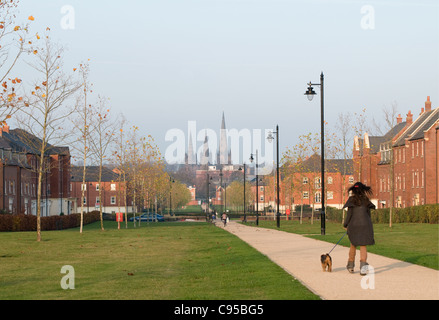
point(350, 266)
point(364, 268)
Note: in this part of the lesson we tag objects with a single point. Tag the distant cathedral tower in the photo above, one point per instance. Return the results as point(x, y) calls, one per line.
point(223, 149)
point(223, 155)
point(205, 157)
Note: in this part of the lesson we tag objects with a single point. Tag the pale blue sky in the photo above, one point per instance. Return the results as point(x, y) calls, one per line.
point(166, 62)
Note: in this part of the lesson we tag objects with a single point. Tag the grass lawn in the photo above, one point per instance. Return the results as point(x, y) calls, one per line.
point(155, 261)
point(411, 242)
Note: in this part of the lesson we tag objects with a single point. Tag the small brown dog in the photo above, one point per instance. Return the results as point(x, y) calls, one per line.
point(326, 262)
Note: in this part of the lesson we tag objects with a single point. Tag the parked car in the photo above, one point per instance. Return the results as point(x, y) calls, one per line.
point(149, 217)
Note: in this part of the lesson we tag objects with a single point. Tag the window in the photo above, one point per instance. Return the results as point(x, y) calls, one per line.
point(413, 178)
point(318, 197)
point(113, 200)
point(97, 186)
point(98, 200)
point(305, 195)
point(351, 180)
point(317, 183)
point(84, 200)
point(330, 195)
point(305, 180)
point(84, 187)
point(417, 179)
point(385, 152)
point(329, 180)
point(113, 187)
point(262, 198)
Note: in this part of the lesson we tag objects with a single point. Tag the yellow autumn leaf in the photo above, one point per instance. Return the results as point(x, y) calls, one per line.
point(31, 18)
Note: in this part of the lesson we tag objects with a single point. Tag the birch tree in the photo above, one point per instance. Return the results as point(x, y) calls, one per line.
point(48, 108)
point(119, 154)
point(81, 121)
point(102, 137)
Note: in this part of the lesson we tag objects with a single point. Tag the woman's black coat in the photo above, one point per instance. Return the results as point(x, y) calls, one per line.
point(359, 223)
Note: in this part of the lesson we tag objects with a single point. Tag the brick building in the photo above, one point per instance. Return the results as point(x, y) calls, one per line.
point(18, 174)
point(303, 187)
point(404, 162)
point(112, 192)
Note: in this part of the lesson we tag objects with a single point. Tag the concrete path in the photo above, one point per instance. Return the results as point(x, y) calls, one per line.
point(389, 279)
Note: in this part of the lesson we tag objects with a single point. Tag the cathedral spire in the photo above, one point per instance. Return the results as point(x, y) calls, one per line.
point(223, 143)
point(190, 156)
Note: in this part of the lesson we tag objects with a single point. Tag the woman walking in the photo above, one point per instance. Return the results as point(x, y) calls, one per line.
point(359, 225)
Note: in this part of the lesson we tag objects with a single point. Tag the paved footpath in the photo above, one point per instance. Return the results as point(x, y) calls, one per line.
point(300, 256)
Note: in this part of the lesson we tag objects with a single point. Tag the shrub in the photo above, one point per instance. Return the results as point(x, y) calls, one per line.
point(22, 222)
point(428, 213)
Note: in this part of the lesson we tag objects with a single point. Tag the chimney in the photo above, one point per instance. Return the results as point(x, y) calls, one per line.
point(428, 104)
point(409, 118)
point(422, 111)
point(399, 119)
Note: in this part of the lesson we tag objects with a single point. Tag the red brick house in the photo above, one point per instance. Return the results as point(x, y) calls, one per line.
point(193, 191)
point(303, 187)
point(112, 192)
point(18, 175)
point(408, 156)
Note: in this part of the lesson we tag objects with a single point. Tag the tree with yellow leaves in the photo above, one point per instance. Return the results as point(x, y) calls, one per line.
point(13, 43)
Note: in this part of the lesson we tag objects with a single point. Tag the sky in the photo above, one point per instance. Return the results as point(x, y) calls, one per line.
point(167, 63)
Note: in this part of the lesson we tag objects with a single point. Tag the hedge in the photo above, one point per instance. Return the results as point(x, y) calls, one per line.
point(22, 222)
point(428, 213)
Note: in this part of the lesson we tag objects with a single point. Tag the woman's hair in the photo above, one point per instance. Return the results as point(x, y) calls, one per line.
point(360, 193)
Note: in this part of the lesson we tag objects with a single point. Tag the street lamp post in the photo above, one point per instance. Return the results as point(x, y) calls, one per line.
point(170, 195)
point(257, 186)
point(270, 138)
point(207, 196)
point(221, 190)
point(245, 217)
point(310, 94)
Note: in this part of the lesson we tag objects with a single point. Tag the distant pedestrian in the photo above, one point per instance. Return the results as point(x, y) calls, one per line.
point(224, 218)
point(359, 225)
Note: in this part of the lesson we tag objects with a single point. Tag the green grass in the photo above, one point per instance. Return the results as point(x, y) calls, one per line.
point(411, 242)
point(155, 261)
